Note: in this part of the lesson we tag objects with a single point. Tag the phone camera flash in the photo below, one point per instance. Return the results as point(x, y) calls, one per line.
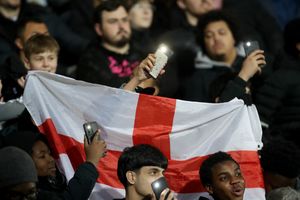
point(156, 185)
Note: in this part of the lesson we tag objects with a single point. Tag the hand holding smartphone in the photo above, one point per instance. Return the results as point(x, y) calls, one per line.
point(94, 150)
point(158, 186)
point(250, 46)
point(162, 54)
point(90, 129)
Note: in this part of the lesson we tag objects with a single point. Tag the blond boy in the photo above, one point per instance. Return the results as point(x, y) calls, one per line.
point(41, 53)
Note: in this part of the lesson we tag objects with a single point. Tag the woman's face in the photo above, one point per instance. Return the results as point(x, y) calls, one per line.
point(141, 15)
point(44, 162)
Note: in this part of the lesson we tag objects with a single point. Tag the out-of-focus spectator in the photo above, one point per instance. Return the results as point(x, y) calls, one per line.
point(111, 59)
point(141, 18)
point(280, 160)
point(256, 24)
point(161, 18)
point(144, 38)
point(252, 26)
point(189, 11)
point(9, 12)
point(78, 15)
point(284, 193)
point(13, 12)
point(28, 27)
point(218, 38)
point(278, 100)
point(181, 37)
point(221, 176)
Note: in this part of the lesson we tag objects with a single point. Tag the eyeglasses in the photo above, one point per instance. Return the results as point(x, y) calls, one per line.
point(20, 196)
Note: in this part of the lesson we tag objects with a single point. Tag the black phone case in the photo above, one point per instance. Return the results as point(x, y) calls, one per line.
point(90, 129)
point(158, 186)
point(250, 48)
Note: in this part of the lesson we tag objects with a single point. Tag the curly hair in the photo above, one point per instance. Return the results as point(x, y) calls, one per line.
point(214, 16)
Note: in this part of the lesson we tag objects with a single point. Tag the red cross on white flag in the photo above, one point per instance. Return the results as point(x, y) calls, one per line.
point(186, 132)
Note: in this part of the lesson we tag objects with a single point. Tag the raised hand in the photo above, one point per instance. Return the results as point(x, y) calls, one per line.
point(96, 150)
point(252, 65)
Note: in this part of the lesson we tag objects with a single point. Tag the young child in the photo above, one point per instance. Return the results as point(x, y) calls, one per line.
point(41, 53)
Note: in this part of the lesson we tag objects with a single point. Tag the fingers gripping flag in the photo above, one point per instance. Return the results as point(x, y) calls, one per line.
point(186, 132)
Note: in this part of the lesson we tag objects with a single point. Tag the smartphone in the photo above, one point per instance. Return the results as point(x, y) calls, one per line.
point(158, 186)
point(90, 129)
point(250, 46)
point(162, 55)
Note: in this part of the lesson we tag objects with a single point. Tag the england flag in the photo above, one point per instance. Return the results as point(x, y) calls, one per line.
point(186, 132)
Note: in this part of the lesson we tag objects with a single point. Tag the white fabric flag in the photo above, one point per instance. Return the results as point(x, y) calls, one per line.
point(186, 132)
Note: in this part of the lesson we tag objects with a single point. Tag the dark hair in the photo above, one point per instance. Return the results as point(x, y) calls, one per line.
point(24, 21)
point(205, 171)
point(131, 3)
point(107, 5)
point(292, 37)
point(138, 156)
point(214, 16)
point(24, 140)
point(282, 157)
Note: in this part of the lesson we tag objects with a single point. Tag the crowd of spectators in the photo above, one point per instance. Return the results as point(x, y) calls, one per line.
point(112, 42)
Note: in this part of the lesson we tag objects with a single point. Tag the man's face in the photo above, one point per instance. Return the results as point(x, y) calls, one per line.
point(196, 7)
point(10, 4)
point(144, 177)
point(31, 28)
point(26, 190)
point(218, 40)
point(46, 61)
point(43, 160)
point(141, 15)
point(115, 28)
point(227, 181)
